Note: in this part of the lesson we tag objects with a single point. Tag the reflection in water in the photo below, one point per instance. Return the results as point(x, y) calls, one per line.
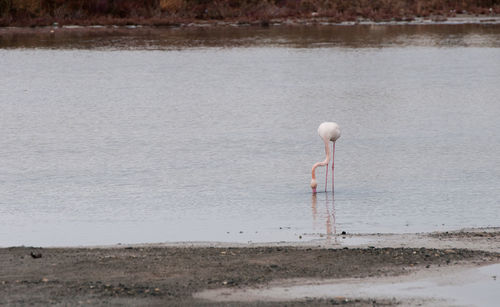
point(361, 36)
point(328, 218)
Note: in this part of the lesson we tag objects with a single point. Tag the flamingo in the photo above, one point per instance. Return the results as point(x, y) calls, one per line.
point(329, 132)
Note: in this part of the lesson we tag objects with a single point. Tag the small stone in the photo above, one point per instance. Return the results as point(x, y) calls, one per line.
point(45, 279)
point(36, 255)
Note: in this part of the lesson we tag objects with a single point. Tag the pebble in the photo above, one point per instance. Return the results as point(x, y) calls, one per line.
point(36, 255)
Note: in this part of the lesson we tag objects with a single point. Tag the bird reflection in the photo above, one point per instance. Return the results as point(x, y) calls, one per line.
point(331, 227)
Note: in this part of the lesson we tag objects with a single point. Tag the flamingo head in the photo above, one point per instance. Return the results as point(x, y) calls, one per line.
point(314, 184)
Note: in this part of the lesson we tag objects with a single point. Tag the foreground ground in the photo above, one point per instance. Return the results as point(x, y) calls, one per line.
point(157, 275)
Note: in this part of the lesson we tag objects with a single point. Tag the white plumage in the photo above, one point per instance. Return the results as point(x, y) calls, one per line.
point(329, 132)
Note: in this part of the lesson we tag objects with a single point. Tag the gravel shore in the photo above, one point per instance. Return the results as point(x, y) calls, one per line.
point(171, 274)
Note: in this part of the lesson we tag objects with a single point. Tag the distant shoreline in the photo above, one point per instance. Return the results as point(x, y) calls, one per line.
point(34, 13)
point(313, 21)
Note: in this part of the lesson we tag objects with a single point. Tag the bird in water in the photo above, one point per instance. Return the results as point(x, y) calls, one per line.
point(329, 132)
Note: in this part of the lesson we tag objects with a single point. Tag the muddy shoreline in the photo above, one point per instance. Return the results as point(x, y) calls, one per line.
point(172, 273)
point(461, 19)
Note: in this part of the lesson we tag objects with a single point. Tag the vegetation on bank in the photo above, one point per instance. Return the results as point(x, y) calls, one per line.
point(168, 12)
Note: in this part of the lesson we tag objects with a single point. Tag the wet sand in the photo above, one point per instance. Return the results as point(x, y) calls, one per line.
point(439, 286)
point(159, 274)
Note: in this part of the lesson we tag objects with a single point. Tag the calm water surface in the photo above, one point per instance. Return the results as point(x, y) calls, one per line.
point(212, 136)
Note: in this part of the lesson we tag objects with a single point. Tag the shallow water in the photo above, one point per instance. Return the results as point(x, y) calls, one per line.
point(210, 143)
point(462, 287)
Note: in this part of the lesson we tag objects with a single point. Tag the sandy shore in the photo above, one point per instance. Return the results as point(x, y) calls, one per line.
point(176, 273)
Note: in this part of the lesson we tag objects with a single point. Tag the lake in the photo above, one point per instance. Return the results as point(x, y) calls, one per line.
point(209, 134)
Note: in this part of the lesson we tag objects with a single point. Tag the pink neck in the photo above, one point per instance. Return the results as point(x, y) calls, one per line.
point(327, 160)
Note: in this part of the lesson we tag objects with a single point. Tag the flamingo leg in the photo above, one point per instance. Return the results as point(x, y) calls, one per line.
point(326, 177)
point(333, 164)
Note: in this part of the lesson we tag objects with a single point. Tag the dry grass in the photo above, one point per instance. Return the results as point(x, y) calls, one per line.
point(159, 12)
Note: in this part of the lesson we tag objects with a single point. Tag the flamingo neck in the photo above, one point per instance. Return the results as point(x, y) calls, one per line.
point(325, 162)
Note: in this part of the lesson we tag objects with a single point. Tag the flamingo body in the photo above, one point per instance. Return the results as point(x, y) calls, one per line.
point(329, 132)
